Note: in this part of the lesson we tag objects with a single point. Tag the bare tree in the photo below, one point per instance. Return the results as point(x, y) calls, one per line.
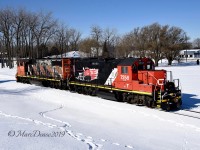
point(43, 27)
point(124, 45)
point(6, 27)
point(110, 35)
point(19, 23)
point(196, 43)
point(134, 43)
point(75, 37)
point(96, 33)
point(86, 46)
point(154, 43)
point(116, 42)
point(2, 51)
point(62, 38)
point(175, 40)
point(140, 41)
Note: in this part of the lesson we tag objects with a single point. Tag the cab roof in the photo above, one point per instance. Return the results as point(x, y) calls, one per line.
point(128, 61)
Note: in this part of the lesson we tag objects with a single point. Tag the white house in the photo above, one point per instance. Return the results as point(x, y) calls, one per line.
point(190, 54)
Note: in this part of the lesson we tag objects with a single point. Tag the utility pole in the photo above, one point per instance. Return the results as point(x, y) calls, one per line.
point(2, 56)
point(1, 60)
point(186, 48)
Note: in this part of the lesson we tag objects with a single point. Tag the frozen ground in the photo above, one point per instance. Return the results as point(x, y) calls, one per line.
point(33, 117)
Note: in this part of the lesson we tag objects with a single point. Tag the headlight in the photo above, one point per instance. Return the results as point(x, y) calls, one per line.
point(173, 94)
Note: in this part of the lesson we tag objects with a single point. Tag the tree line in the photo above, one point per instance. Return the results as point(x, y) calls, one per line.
point(25, 34)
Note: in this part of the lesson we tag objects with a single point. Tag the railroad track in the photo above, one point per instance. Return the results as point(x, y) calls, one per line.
point(188, 113)
point(191, 111)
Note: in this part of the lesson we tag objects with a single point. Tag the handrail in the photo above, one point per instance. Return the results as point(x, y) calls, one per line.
point(154, 85)
point(150, 75)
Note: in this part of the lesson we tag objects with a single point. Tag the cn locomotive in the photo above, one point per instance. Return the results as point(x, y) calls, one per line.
point(131, 80)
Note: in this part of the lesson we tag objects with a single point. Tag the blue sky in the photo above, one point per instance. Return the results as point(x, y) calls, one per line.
point(124, 15)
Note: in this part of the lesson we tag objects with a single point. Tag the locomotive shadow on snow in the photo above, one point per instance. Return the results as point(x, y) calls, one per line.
point(189, 101)
point(4, 81)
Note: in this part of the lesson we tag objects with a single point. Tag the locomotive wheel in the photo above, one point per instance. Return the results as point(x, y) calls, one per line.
point(89, 91)
point(75, 88)
point(149, 103)
point(86, 91)
point(119, 96)
point(71, 88)
point(79, 89)
point(93, 92)
point(166, 106)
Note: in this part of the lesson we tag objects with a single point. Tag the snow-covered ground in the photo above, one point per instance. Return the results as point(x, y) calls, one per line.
point(33, 117)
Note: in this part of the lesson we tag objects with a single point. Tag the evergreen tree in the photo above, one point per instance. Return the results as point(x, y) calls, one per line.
point(105, 53)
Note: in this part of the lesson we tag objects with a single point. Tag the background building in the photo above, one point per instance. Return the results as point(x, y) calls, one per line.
point(190, 54)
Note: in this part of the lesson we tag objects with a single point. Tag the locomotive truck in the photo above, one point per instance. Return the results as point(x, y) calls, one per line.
point(131, 80)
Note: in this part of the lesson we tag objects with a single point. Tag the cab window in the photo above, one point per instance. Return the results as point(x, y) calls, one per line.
point(124, 70)
point(149, 67)
point(140, 67)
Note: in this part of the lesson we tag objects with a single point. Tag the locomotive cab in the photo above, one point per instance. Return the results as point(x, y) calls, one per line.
point(138, 75)
point(131, 77)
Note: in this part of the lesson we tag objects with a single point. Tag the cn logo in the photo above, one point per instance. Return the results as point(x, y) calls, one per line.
point(92, 73)
point(88, 74)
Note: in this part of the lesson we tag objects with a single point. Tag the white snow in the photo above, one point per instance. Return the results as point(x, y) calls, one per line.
point(33, 117)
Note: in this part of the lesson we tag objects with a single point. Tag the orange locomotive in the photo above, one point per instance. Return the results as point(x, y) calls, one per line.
point(132, 80)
